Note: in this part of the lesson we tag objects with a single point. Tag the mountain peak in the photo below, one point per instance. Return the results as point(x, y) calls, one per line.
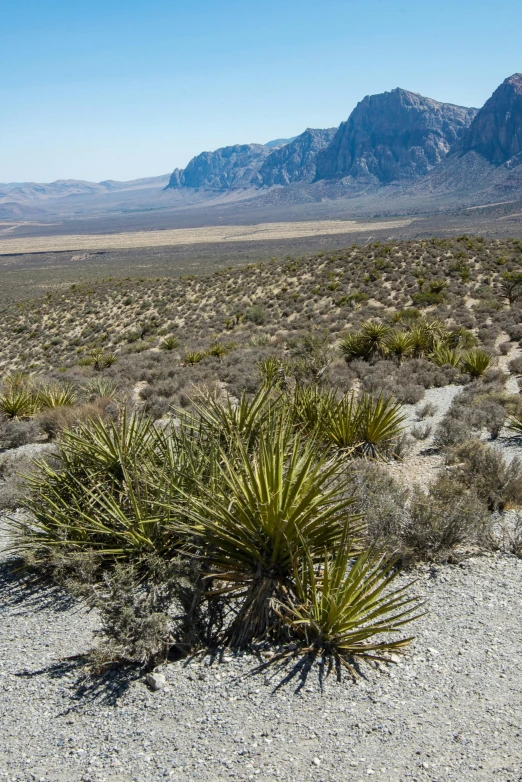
point(496, 131)
point(397, 135)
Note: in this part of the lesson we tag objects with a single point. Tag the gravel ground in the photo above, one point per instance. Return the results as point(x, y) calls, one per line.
point(451, 710)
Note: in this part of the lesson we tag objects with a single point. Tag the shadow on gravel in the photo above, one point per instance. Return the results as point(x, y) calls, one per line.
point(298, 671)
point(22, 587)
point(105, 688)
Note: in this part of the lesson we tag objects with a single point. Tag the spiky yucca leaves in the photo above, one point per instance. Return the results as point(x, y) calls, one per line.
point(192, 357)
point(101, 388)
point(56, 395)
point(366, 426)
point(271, 370)
point(375, 334)
point(310, 407)
point(226, 419)
point(399, 344)
point(99, 496)
point(218, 350)
point(265, 508)
point(475, 362)
point(442, 355)
point(380, 424)
point(514, 424)
point(19, 402)
point(170, 342)
point(345, 609)
point(354, 346)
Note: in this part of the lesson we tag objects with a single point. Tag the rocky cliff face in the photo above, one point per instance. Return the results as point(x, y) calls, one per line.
point(496, 131)
point(396, 135)
point(295, 162)
point(223, 169)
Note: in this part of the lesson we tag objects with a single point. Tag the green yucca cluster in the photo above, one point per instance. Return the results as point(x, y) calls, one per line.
point(256, 496)
point(22, 397)
point(418, 338)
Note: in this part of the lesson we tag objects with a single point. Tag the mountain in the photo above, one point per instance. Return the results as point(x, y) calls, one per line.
point(21, 192)
point(496, 131)
point(225, 168)
point(279, 142)
point(295, 161)
point(393, 136)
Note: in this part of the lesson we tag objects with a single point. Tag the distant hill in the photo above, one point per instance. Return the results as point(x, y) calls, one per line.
point(279, 142)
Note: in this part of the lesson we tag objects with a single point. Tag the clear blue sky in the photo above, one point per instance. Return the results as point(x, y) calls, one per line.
point(107, 89)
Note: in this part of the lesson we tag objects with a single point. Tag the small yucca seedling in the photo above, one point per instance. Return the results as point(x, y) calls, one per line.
point(192, 357)
point(514, 424)
point(169, 343)
point(475, 362)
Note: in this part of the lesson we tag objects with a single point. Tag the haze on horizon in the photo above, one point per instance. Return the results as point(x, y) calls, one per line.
point(113, 90)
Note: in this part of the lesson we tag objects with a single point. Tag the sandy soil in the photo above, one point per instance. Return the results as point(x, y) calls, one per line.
point(178, 236)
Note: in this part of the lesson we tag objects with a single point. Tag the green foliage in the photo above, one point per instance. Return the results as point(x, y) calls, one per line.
point(344, 607)
point(444, 355)
point(368, 426)
point(264, 509)
point(256, 315)
point(170, 342)
point(192, 357)
point(475, 362)
point(55, 395)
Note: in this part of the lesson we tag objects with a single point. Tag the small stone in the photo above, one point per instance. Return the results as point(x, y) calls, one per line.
point(156, 681)
point(316, 762)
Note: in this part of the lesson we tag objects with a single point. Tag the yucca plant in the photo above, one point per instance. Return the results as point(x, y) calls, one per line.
point(101, 359)
point(271, 369)
point(347, 608)
point(192, 357)
point(354, 346)
point(367, 426)
point(475, 362)
point(226, 420)
point(375, 334)
point(399, 344)
point(101, 388)
point(443, 355)
point(169, 343)
point(19, 402)
point(268, 505)
point(380, 422)
point(514, 424)
point(98, 497)
point(56, 395)
point(310, 407)
point(218, 350)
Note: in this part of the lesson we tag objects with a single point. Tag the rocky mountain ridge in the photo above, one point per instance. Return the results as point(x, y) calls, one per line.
point(397, 135)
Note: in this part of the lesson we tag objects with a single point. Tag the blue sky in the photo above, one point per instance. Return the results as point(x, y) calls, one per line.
point(117, 90)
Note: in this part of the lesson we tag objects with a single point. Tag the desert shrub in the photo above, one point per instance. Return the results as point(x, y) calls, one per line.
point(446, 517)
point(421, 432)
point(483, 470)
point(515, 365)
point(426, 411)
point(256, 314)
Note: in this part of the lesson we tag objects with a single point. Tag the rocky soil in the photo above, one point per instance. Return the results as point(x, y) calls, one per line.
point(450, 710)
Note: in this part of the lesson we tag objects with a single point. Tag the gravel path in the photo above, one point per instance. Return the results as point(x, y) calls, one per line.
point(452, 710)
